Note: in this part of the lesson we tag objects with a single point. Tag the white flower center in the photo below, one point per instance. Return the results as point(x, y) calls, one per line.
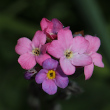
point(68, 54)
point(36, 51)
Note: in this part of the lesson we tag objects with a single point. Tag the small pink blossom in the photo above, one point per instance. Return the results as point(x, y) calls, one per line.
point(94, 44)
point(70, 51)
point(51, 76)
point(31, 52)
point(52, 27)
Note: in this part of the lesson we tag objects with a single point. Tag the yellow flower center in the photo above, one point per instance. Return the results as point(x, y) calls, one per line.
point(69, 54)
point(36, 51)
point(51, 74)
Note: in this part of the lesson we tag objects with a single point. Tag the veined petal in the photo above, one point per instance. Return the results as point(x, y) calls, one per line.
point(27, 61)
point(79, 44)
point(97, 59)
point(55, 49)
point(81, 60)
point(39, 38)
point(49, 86)
point(94, 43)
point(41, 76)
point(65, 37)
point(50, 64)
point(66, 66)
point(88, 70)
point(42, 58)
point(23, 46)
point(57, 25)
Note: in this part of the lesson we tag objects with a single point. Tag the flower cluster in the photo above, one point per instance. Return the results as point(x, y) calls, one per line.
point(57, 52)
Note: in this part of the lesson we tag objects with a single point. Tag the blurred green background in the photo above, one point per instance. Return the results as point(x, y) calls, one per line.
point(19, 18)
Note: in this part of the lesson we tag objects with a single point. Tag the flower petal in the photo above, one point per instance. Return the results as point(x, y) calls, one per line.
point(66, 66)
point(65, 37)
point(94, 43)
point(27, 61)
point(57, 25)
point(81, 60)
point(60, 71)
point(68, 27)
point(61, 80)
point(49, 29)
point(49, 86)
point(88, 70)
point(50, 64)
point(47, 26)
point(42, 58)
point(23, 46)
point(41, 76)
point(55, 49)
point(97, 59)
point(79, 44)
point(44, 23)
point(44, 47)
point(39, 38)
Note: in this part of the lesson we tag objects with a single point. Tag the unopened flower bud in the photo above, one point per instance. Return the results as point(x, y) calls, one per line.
point(31, 73)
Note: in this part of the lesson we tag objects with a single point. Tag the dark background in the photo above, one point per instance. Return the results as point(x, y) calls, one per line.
point(19, 18)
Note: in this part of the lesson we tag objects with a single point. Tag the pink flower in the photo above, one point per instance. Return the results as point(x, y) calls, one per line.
point(51, 76)
point(70, 51)
point(31, 51)
point(52, 27)
point(94, 44)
